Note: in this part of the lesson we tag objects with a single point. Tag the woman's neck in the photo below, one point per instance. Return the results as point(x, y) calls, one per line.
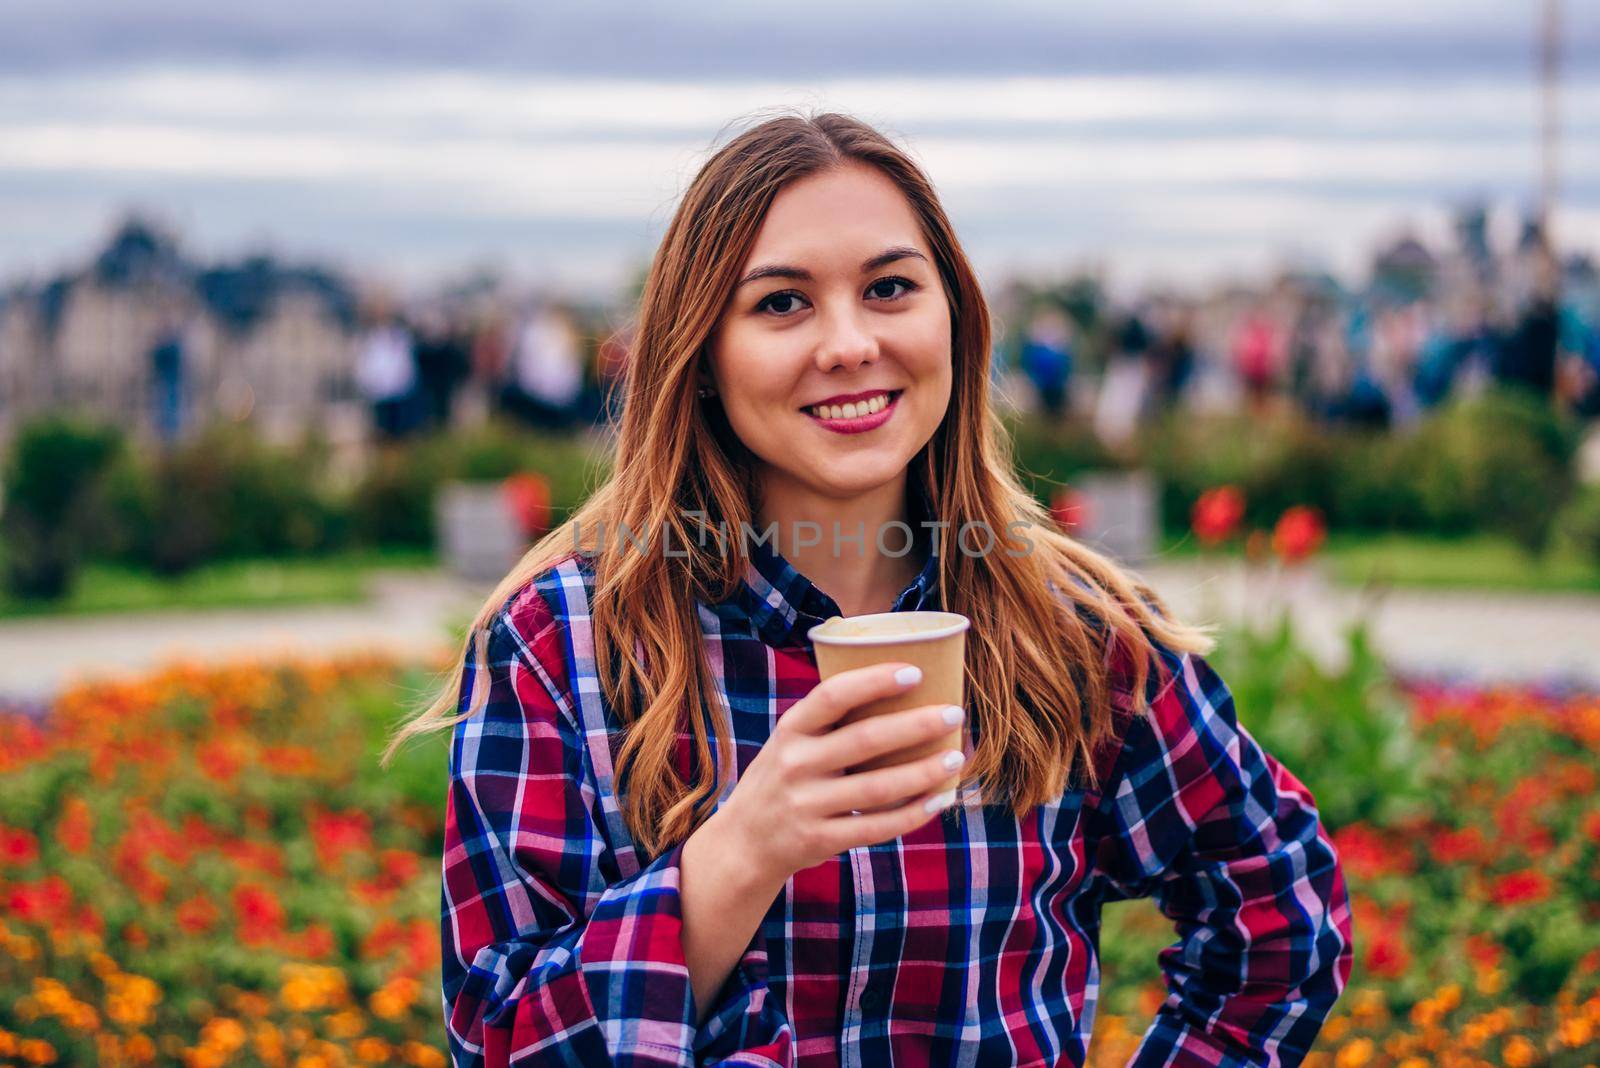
point(852, 569)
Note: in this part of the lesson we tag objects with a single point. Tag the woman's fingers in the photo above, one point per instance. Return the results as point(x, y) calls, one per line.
point(869, 828)
point(864, 739)
point(882, 787)
point(832, 698)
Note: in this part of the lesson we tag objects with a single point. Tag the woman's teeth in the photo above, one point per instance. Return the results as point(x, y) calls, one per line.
point(854, 410)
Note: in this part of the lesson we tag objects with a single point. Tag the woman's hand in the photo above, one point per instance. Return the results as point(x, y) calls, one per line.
point(793, 805)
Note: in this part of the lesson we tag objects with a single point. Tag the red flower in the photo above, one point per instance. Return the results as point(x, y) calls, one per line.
point(45, 902)
point(336, 834)
point(1366, 853)
point(1070, 509)
point(1387, 956)
point(17, 847)
point(1483, 950)
point(1591, 827)
point(1299, 533)
point(400, 866)
point(1455, 847)
point(1217, 514)
point(528, 496)
point(259, 913)
point(1520, 887)
point(217, 761)
point(313, 943)
point(196, 915)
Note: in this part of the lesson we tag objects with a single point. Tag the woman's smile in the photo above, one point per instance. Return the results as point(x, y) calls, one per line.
point(857, 416)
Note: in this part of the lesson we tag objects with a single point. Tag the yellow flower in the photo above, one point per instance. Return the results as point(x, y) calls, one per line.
point(1336, 1028)
point(1355, 1054)
point(1413, 1062)
point(8, 1043)
point(345, 1024)
point(1449, 997)
point(1490, 980)
point(1518, 1052)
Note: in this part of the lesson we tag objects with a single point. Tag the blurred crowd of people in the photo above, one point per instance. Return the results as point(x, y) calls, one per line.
point(1425, 329)
point(440, 363)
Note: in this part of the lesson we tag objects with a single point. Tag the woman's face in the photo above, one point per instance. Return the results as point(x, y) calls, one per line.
point(839, 298)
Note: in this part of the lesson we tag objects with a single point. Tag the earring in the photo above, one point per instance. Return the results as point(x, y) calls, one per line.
point(707, 391)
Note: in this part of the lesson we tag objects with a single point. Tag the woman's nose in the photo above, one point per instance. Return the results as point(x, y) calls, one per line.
point(845, 341)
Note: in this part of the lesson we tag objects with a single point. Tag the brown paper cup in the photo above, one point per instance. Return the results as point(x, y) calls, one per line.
point(934, 641)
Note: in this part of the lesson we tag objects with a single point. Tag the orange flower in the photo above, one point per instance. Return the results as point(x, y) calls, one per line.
point(1217, 514)
point(75, 829)
point(1520, 887)
point(1298, 533)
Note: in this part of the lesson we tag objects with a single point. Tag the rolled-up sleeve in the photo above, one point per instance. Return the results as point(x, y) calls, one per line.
point(550, 955)
point(1197, 815)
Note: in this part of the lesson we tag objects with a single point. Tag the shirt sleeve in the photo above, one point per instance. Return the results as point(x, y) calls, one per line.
point(550, 955)
point(1229, 844)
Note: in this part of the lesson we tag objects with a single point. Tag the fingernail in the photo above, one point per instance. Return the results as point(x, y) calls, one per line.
point(954, 759)
point(944, 800)
point(953, 715)
point(908, 676)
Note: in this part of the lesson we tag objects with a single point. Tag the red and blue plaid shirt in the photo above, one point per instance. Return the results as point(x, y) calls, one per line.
point(971, 941)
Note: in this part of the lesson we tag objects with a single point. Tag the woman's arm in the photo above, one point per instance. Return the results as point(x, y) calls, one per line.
point(1229, 843)
point(551, 954)
point(724, 901)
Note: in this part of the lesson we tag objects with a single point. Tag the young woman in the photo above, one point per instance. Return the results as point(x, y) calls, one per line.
point(656, 849)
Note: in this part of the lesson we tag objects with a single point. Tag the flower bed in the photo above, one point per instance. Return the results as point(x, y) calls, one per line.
point(1477, 921)
point(205, 866)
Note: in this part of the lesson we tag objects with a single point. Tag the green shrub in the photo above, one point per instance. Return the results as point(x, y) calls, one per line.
point(225, 494)
point(52, 478)
point(1345, 732)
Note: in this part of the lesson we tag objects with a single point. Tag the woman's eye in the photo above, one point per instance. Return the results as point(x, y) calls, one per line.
point(772, 303)
point(876, 287)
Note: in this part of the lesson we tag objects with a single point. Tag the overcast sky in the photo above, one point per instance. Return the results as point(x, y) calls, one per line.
point(1171, 140)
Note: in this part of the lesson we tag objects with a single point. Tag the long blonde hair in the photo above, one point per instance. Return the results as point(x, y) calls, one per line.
point(1046, 624)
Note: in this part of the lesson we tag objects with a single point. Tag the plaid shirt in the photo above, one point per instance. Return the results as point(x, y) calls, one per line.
point(971, 941)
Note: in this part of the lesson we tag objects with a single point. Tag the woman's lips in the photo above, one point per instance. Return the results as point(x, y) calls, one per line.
point(861, 423)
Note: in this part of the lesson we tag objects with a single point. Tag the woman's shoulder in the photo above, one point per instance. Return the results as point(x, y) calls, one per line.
point(539, 615)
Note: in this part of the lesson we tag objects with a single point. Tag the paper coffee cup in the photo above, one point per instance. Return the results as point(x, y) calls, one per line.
point(934, 641)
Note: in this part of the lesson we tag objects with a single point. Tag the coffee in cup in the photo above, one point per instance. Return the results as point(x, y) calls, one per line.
point(933, 641)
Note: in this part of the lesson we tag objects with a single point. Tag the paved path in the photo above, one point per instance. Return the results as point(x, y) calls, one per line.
point(1481, 635)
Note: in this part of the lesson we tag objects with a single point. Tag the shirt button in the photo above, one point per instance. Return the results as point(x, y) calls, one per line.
point(872, 997)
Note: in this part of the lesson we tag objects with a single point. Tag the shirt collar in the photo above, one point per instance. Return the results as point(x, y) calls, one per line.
point(784, 604)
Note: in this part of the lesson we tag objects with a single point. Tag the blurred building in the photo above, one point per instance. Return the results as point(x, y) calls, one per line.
point(256, 340)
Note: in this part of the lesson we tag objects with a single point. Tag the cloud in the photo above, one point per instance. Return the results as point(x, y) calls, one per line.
point(716, 39)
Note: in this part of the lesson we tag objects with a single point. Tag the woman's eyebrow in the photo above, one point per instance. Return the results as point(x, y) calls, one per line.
point(798, 274)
